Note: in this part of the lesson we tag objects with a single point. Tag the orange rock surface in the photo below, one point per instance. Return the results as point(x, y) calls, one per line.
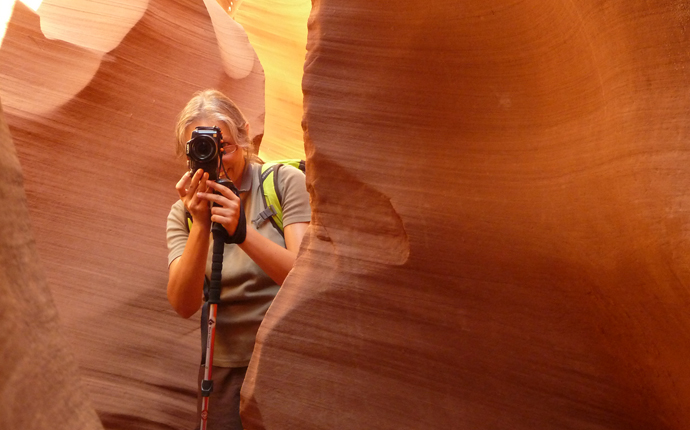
point(500, 218)
point(93, 131)
point(500, 235)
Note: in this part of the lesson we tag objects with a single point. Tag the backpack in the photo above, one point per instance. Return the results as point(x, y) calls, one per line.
point(273, 209)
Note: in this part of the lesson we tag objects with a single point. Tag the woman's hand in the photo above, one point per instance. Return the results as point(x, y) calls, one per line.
point(189, 187)
point(227, 213)
point(186, 273)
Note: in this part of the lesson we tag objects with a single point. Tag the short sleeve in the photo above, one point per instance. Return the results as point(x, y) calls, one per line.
point(176, 232)
point(293, 188)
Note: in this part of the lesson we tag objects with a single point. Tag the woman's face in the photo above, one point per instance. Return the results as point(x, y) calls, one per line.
point(233, 155)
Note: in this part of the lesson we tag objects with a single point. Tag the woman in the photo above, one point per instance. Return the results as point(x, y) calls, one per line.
point(252, 270)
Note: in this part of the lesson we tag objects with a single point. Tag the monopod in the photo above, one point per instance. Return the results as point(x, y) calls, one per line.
point(220, 238)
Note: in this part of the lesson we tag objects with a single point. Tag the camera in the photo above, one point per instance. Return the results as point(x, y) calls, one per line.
point(203, 150)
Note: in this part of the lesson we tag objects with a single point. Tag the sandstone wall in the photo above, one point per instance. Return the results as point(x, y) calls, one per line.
point(93, 131)
point(500, 231)
point(500, 228)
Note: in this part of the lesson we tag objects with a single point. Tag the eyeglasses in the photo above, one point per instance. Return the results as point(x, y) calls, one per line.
point(228, 147)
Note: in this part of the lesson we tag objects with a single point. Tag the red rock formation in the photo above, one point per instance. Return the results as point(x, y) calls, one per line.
point(500, 230)
point(39, 380)
point(99, 169)
point(500, 234)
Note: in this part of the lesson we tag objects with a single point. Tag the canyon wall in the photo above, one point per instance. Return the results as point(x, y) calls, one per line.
point(91, 115)
point(500, 219)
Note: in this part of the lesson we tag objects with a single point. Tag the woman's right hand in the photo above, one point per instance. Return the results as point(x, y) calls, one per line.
point(187, 187)
point(186, 273)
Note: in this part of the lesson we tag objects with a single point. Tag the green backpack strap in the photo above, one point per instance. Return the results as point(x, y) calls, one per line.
point(188, 218)
point(270, 192)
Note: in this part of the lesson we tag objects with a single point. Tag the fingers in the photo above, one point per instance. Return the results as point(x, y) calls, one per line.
point(214, 198)
point(223, 219)
point(229, 210)
point(198, 182)
point(228, 217)
point(181, 185)
point(223, 199)
point(225, 191)
point(226, 209)
point(188, 185)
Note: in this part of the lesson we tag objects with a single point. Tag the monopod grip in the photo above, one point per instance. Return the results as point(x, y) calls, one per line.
point(227, 183)
point(220, 238)
point(241, 231)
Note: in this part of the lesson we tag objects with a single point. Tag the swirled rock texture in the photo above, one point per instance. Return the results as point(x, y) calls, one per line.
point(93, 132)
point(501, 221)
point(500, 213)
point(40, 383)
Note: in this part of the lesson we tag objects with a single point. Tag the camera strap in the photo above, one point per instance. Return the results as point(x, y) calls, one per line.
point(241, 230)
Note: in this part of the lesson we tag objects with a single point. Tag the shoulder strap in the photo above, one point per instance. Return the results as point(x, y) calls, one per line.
point(294, 162)
point(273, 210)
point(270, 191)
point(188, 219)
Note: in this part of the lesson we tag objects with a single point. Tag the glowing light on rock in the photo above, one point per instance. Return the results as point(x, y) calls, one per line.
point(236, 52)
point(278, 32)
point(5, 15)
point(76, 34)
point(97, 25)
point(32, 4)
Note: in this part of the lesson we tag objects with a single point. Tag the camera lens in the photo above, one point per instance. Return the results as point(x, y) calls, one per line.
point(203, 148)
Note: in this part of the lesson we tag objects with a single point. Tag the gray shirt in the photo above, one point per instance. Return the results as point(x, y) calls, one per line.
point(247, 291)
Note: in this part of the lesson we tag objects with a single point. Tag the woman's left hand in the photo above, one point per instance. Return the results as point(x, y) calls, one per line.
point(227, 213)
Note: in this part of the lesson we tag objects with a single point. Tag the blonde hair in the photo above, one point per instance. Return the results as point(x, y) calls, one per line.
point(214, 106)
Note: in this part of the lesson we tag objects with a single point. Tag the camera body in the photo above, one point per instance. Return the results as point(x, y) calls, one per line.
point(203, 150)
